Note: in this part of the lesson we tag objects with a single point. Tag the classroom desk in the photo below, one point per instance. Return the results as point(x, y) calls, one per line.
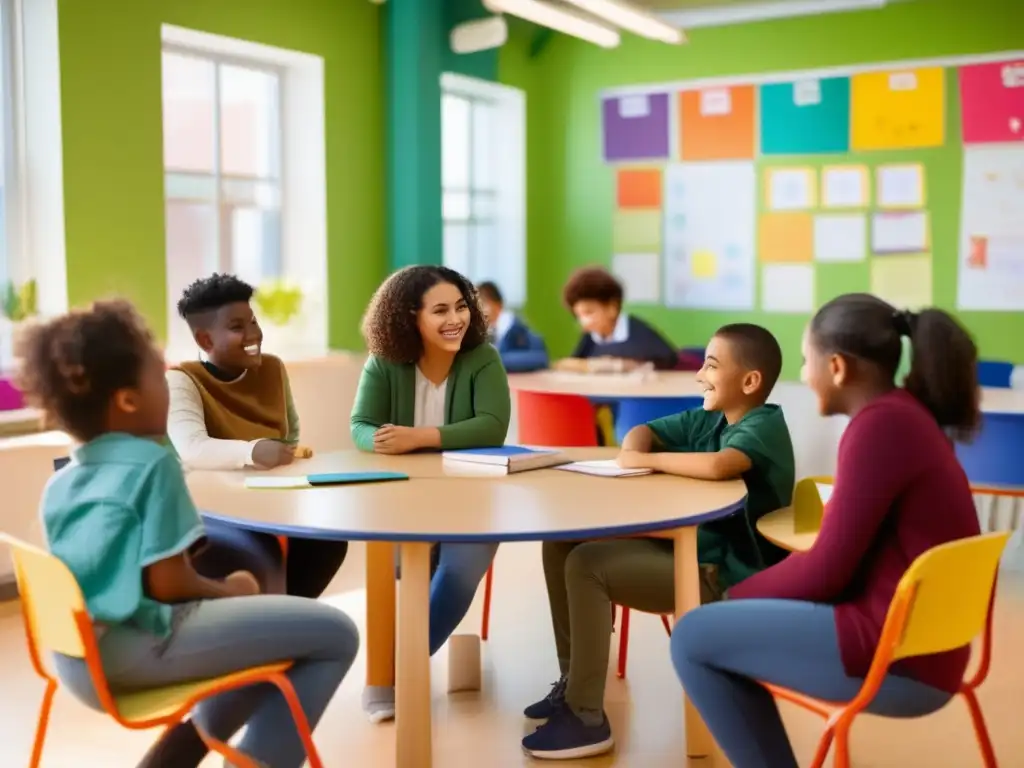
point(436, 506)
point(778, 528)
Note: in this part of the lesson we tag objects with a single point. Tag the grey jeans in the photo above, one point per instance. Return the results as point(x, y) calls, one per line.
point(216, 637)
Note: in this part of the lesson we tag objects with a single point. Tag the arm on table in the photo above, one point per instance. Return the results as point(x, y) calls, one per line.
point(186, 428)
point(492, 408)
point(372, 406)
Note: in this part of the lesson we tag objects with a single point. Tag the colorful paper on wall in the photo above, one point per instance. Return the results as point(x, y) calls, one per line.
point(640, 275)
point(786, 237)
point(806, 117)
point(903, 281)
point(844, 186)
point(636, 127)
point(636, 232)
point(900, 233)
point(787, 288)
point(900, 186)
point(710, 211)
point(991, 270)
point(718, 123)
point(903, 109)
point(638, 187)
point(840, 237)
point(791, 189)
point(992, 102)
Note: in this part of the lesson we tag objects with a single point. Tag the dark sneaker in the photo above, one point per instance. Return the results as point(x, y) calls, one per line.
point(566, 737)
point(550, 704)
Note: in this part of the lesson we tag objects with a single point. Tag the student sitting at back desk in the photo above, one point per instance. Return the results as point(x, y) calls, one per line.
point(612, 340)
point(521, 349)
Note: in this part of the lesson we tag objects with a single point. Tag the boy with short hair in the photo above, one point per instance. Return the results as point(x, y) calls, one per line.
point(521, 349)
point(736, 434)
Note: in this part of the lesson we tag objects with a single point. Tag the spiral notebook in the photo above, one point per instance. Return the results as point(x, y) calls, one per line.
point(319, 480)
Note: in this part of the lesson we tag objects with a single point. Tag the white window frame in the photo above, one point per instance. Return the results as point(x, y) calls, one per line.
point(303, 182)
point(505, 264)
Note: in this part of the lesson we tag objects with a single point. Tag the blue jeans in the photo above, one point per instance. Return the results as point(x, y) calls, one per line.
point(460, 569)
point(721, 650)
point(216, 637)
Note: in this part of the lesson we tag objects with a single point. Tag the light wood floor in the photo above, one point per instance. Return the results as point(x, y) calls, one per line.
point(519, 665)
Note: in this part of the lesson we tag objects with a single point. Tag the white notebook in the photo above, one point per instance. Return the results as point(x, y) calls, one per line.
point(605, 468)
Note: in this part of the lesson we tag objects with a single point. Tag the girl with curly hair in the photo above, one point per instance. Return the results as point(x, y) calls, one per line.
point(432, 382)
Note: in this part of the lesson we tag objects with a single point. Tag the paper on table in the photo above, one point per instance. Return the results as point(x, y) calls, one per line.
point(790, 189)
point(900, 232)
point(640, 274)
point(844, 186)
point(900, 186)
point(604, 468)
point(903, 281)
point(787, 288)
point(840, 237)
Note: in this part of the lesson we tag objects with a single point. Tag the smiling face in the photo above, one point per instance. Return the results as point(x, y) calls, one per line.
point(443, 318)
point(726, 382)
point(232, 338)
point(596, 316)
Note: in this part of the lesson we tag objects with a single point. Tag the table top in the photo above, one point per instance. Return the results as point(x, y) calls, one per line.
point(650, 384)
point(1002, 401)
point(778, 528)
point(447, 502)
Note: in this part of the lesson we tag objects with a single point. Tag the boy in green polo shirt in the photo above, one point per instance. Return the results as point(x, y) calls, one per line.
point(735, 435)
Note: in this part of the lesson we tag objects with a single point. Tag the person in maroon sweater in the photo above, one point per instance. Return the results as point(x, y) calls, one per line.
point(811, 623)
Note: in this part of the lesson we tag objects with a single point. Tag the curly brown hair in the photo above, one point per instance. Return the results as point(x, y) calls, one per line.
point(389, 325)
point(592, 284)
point(72, 365)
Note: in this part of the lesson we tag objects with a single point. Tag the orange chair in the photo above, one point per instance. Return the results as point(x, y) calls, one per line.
point(944, 601)
point(56, 620)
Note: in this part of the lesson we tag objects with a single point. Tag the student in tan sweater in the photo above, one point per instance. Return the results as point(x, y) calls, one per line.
point(234, 410)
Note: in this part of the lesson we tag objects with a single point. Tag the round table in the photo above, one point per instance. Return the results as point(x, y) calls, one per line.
point(779, 527)
point(442, 502)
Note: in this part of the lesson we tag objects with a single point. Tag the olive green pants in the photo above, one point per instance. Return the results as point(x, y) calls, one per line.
point(583, 580)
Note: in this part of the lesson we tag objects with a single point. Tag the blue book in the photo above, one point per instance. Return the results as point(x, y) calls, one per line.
point(514, 458)
point(327, 478)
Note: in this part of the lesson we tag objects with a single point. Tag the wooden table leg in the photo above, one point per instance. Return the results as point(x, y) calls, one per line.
point(412, 688)
point(687, 570)
point(380, 614)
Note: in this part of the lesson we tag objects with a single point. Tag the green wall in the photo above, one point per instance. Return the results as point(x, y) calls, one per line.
point(112, 140)
point(570, 190)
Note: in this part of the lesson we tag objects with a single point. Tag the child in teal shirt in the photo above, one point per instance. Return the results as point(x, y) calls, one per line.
point(120, 517)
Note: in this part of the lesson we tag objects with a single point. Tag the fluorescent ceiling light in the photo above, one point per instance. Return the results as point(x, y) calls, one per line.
point(555, 18)
point(632, 19)
point(764, 11)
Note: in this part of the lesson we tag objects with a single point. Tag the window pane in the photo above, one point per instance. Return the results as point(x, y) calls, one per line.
point(191, 245)
point(484, 253)
point(454, 142)
point(485, 206)
point(259, 194)
point(483, 145)
point(456, 247)
point(188, 96)
point(250, 121)
point(255, 243)
point(192, 187)
point(455, 206)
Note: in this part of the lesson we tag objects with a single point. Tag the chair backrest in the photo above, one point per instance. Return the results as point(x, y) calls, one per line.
point(547, 419)
point(995, 373)
point(947, 593)
point(50, 598)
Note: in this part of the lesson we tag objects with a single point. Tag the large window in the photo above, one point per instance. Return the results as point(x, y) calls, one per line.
point(482, 173)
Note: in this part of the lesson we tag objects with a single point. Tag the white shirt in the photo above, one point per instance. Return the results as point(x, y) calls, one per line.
point(186, 427)
point(430, 400)
point(620, 332)
point(502, 325)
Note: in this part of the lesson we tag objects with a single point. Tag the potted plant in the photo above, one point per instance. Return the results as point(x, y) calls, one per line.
point(19, 304)
point(278, 303)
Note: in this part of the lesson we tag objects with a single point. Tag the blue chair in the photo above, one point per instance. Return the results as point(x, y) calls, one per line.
point(633, 411)
point(994, 457)
point(994, 373)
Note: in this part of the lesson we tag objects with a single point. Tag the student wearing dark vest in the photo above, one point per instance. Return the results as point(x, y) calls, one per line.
point(612, 340)
point(521, 349)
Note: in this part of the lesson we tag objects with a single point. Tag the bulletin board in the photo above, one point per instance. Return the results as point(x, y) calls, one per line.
point(778, 192)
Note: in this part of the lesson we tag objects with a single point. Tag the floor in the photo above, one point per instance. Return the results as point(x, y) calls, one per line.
point(645, 709)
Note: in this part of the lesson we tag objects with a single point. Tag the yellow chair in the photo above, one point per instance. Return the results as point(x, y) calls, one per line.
point(944, 601)
point(56, 621)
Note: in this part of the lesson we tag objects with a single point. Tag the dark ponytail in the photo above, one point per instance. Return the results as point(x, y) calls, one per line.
point(944, 361)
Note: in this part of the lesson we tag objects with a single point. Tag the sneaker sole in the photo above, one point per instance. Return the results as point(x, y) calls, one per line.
point(590, 750)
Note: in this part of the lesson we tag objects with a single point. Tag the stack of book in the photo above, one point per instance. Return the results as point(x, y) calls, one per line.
point(510, 458)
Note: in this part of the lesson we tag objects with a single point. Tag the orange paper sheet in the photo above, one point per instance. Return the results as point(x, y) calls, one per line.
point(638, 188)
point(786, 237)
point(720, 128)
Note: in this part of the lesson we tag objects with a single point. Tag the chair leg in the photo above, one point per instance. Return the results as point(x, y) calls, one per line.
point(666, 624)
point(44, 721)
point(301, 722)
point(485, 624)
point(821, 753)
point(980, 729)
point(234, 756)
point(623, 643)
point(842, 758)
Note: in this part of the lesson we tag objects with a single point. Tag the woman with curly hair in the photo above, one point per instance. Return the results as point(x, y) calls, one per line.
point(432, 382)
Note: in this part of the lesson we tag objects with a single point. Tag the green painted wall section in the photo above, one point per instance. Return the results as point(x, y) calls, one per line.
point(570, 191)
point(112, 140)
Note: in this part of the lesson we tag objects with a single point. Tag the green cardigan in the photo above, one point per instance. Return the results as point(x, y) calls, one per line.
point(477, 403)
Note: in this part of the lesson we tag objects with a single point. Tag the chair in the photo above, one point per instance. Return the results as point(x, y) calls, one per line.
point(995, 373)
point(944, 600)
point(56, 620)
point(633, 411)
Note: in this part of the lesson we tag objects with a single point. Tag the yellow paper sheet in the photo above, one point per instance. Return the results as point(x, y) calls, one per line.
point(786, 237)
point(636, 232)
point(898, 109)
point(704, 264)
point(903, 281)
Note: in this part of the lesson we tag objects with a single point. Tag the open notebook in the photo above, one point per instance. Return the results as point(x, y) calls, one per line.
point(327, 478)
point(604, 468)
